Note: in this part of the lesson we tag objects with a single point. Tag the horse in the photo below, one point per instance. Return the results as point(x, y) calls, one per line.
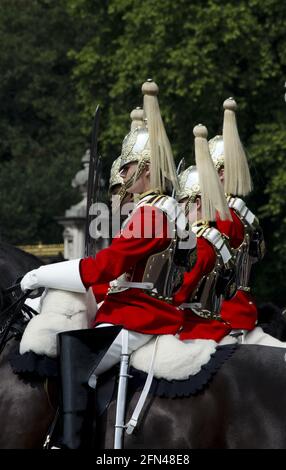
point(238, 409)
point(241, 408)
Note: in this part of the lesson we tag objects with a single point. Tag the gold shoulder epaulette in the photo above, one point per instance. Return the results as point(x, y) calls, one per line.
point(202, 226)
point(155, 199)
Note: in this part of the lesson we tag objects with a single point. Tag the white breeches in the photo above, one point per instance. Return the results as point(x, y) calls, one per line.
point(112, 356)
point(255, 336)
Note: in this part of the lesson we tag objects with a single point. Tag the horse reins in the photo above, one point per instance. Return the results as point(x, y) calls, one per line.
point(17, 305)
point(12, 288)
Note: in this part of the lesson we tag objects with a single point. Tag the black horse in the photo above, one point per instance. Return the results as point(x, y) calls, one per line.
point(238, 409)
point(15, 263)
point(243, 407)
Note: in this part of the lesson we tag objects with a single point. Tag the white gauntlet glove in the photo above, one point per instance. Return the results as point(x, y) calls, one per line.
point(62, 276)
point(30, 281)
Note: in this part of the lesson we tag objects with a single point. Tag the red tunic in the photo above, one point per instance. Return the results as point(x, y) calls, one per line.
point(240, 311)
point(195, 327)
point(100, 291)
point(132, 308)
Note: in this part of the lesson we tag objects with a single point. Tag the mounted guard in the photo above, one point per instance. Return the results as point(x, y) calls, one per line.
point(139, 300)
point(212, 277)
point(244, 232)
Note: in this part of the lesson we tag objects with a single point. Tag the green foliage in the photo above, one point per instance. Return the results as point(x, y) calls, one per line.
point(268, 152)
point(41, 144)
point(199, 53)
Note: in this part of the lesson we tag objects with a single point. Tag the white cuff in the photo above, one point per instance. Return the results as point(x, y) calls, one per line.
point(62, 276)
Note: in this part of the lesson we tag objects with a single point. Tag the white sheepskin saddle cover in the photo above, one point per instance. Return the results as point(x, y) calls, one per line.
point(174, 359)
point(60, 311)
point(255, 336)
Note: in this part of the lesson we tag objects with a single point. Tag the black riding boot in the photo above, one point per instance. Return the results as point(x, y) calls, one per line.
point(80, 352)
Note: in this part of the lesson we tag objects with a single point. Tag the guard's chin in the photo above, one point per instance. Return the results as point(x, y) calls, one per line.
point(130, 190)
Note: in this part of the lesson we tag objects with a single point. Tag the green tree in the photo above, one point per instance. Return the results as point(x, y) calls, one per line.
point(268, 151)
point(41, 143)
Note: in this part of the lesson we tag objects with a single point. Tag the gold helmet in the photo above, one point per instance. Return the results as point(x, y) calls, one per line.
point(217, 152)
point(137, 118)
point(134, 147)
point(115, 178)
point(137, 121)
point(150, 145)
point(202, 180)
point(189, 186)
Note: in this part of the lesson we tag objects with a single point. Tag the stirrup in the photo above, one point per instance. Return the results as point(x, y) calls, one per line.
point(238, 334)
point(49, 436)
point(92, 381)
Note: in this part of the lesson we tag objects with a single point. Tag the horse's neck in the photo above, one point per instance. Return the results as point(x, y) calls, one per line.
point(10, 345)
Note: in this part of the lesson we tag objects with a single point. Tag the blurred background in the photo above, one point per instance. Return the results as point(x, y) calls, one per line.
point(59, 58)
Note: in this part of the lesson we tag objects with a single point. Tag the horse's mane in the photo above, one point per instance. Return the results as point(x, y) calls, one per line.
point(9, 252)
point(14, 263)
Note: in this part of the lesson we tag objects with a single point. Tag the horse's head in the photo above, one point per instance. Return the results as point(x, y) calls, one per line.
point(14, 263)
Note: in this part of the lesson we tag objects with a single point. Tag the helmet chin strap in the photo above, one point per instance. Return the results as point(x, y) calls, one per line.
point(142, 164)
point(187, 206)
point(191, 200)
point(122, 193)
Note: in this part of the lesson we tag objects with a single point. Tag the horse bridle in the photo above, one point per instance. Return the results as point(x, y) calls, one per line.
point(18, 306)
point(5, 292)
point(12, 289)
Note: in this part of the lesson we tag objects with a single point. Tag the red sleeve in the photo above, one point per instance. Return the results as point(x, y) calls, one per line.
point(206, 258)
point(146, 233)
point(233, 229)
point(100, 291)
